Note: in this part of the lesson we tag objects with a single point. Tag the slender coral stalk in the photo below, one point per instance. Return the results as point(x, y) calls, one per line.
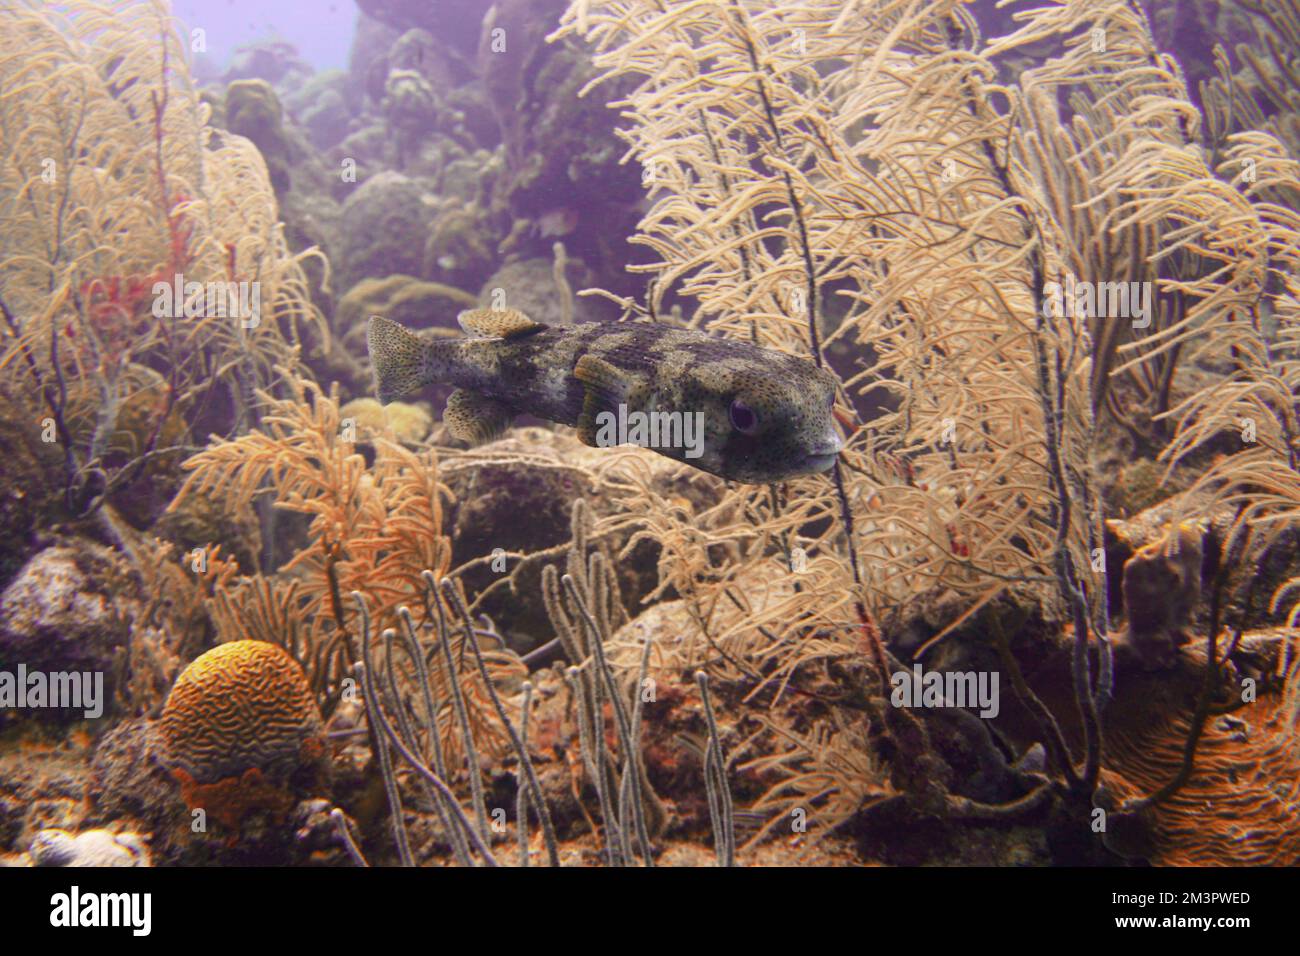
point(521, 752)
point(376, 712)
point(631, 751)
point(715, 780)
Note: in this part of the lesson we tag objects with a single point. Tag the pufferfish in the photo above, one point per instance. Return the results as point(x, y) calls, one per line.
point(733, 409)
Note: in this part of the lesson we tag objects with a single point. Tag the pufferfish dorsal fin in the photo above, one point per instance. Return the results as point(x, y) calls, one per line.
point(475, 418)
point(604, 389)
point(498, 323)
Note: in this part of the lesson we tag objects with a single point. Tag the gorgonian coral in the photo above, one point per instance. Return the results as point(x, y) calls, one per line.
point(136, 237)
point(860, 182)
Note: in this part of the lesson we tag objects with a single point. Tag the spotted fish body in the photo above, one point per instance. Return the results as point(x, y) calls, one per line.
point(764, 415)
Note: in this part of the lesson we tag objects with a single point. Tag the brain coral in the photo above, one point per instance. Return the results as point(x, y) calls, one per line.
point(241, 729)
point(1241, 806)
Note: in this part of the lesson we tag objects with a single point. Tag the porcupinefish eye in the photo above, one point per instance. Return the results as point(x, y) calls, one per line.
point(743, 418)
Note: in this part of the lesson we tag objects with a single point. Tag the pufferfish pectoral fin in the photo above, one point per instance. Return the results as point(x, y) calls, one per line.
point(498, 323)
point(604, 389)
point(474, 418)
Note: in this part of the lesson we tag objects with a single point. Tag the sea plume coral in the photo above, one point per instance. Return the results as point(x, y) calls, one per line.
point(375, 530)
point(850, 186)
point(130, 224)
point(859, 182)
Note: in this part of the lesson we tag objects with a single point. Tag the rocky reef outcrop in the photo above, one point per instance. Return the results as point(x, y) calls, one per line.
point(70, 608)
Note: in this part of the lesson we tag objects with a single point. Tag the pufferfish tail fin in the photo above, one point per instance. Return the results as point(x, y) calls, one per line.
point(400, 359)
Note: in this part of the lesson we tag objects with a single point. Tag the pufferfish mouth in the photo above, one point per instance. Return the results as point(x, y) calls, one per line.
point(819, 462)
point(821, 457)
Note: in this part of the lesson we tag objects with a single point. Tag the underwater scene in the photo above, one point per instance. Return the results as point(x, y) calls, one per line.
point(649, 433)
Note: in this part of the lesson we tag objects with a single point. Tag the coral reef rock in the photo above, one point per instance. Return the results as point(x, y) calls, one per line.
point(456, 20)
point(387, 227)
point(65, 611)
point(459, 249)
point(271, 60)
point(92, 848)
point(411, 107)
point(411, 302)
point(253, 111)
point(29, 500)
point(324, 107)
point(524, 504)
point(42, 785)
point(557, 144)
point(529, 286)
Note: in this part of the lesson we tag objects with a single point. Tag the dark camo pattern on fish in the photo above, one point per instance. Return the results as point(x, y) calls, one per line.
point(557, 373)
